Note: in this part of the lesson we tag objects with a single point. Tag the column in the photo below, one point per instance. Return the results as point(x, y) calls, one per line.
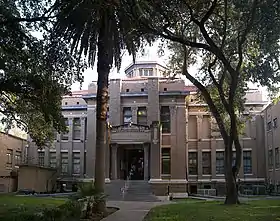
point(91, 141)
point(82, 150)
point(70, 147)
point(114, 148)
point(146, 148)
point(107, 157)
point(155, 156)
point(134, 114)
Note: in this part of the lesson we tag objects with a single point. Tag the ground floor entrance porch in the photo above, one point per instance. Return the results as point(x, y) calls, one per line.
point(130, 161)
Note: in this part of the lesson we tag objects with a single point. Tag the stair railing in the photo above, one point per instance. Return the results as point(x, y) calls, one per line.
point(126, 183)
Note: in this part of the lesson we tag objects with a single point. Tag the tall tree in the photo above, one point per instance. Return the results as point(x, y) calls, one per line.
point(33, 75)
point(232, 41)
point(98, 27)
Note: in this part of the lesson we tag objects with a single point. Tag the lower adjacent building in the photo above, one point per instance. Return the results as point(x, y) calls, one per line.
point(12, 152)
point(158, 132)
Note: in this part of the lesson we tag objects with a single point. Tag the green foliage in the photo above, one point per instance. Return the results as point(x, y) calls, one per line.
point(90, 197)
point(80, 25)
point(71, 210)
point(34, 75)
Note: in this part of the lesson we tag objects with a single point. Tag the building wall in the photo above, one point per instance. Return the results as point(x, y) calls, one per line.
point(38, 179)
point(192, 130)
point(272, 144)
point(11, 155)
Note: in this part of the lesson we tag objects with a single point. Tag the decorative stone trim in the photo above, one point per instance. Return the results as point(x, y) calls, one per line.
point(171, 181)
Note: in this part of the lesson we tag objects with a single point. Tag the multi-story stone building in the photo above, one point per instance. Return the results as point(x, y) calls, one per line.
point(154, 132)
point(12, 152)
point(272, 144)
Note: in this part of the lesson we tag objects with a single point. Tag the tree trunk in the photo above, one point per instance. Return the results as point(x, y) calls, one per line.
point(104, 63)
point(230, 175)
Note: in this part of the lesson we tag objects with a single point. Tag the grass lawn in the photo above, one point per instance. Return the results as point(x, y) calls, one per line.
point(12, 200)
point(11, 203)
point(189, 210)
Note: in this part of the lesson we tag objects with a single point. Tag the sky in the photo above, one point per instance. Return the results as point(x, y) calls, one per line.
point(150, 54)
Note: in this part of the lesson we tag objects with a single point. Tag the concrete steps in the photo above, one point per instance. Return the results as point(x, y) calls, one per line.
point(137, 190)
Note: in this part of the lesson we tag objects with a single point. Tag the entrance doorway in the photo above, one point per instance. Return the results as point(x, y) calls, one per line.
point(133, 164)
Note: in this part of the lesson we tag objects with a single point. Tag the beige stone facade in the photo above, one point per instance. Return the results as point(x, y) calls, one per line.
point(272, 144)
point(173, 141)
point(11, 155)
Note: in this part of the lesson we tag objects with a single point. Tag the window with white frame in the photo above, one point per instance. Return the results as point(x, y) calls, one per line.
point(76, 162)
point(277, 160)
point(127, 115)
point(206, 162)
point(41, 158)
point(52, 156)
point(142, 116)
point(165, 161)
point(247, 162)
point(145, 72)
point(192, 158)
point(64, 162)
point(76, 128)
point(220, 162)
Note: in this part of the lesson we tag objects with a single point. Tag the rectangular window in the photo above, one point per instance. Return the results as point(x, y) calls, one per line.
point(275, 123)
point(269, 126)
point(192, 163)
point(76, 129)
point(18, 158)
point(53, 159)
point(270, 159)
point(165, 161)
point(247, 162)
point(220, 161)
point(9, 155)
point(41, 158)
point(64, 163)
point(165, 119)
point(145, 72)
point(76, 162)
point(127, 115)
point(206, 162)
point(64, 136)
point(142, 116)
point(85, 129)
point(277, 160)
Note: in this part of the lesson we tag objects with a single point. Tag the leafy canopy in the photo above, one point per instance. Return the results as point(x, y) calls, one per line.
point(34, 74)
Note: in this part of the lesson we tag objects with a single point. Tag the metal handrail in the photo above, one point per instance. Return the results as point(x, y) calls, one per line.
point(126, 183)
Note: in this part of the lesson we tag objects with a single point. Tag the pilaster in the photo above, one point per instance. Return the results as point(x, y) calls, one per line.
point(134, 114)
point(155, 153)
point(146, 148)
point(91, 141)
point(70, 150)
point(114, 149)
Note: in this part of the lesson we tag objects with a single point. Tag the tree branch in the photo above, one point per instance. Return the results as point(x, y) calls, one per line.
point(209, 12)
point(29, 20)
point(217, 85)
point(242, 38)
point(206, 96)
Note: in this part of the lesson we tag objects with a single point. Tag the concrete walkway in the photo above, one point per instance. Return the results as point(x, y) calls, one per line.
point(131, 211)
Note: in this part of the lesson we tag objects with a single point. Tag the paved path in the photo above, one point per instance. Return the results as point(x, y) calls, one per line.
point(131, 211)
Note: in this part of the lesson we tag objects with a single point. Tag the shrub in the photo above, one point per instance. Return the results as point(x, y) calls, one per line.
point(71, 210)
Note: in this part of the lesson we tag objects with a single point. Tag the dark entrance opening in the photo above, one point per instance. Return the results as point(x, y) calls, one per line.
point(134, 161)
point(193, 189)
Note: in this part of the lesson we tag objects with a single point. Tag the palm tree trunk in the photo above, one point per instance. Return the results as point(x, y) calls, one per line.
point(104, 63)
